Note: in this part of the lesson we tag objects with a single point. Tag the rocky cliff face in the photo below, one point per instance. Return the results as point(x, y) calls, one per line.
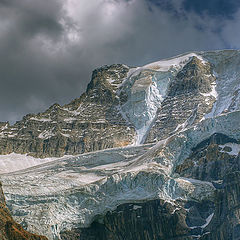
point(217, 160)
point(154, 219)
point(124, 106)
point(188, 99)
point(169, 135)
point(89, 123)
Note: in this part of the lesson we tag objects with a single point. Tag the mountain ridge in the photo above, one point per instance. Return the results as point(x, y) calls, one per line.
point(108, 90)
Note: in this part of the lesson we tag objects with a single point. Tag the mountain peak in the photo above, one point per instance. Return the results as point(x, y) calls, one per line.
point(195, 76)
point(136, 105)
point(158, 143)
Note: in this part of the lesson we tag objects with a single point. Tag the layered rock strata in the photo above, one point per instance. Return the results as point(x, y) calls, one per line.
point(89, 123)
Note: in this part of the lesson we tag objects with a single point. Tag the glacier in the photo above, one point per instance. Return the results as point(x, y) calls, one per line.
point(70, 192)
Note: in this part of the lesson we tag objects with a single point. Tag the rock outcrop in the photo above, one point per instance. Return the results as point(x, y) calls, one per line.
point(151, 220)
point(188, 100)
point(89, 123)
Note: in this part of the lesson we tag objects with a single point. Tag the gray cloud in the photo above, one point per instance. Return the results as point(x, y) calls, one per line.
point(49, 48)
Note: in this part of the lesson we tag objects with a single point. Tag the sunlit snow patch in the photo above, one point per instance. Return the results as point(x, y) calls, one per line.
point(177, 62)
point(15, 162)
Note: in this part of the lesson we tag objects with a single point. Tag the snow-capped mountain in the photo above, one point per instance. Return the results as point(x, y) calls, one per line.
point(150, 152)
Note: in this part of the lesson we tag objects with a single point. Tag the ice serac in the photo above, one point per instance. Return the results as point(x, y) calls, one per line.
point(155, 155)
point(9, 229)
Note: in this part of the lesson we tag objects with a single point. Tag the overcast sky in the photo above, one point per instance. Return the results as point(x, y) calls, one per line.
point(49, 48)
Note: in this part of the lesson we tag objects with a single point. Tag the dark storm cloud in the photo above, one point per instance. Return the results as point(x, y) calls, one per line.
point(31, 74)
point(169, 5)
point(216, 8)
point(213, 8)
point(49, 48)
point(31, 17)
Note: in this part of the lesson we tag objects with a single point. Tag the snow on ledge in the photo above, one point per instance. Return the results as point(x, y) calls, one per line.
point(41, 119)
point(165, 65)
point(208, 220)
point(234, 146)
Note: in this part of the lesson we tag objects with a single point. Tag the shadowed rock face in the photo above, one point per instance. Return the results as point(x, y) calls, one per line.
point(214, 160)
point(210, 160)
point(9, 229)
point(226, 220)
point(154, 219)
point(151, 220)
